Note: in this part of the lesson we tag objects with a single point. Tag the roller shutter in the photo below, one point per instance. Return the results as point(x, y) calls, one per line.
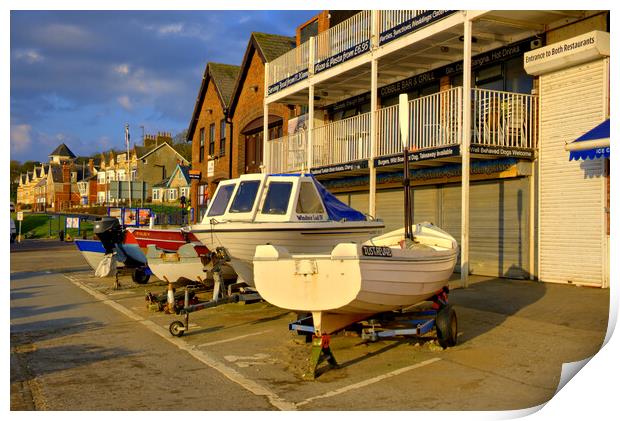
point(572, 194)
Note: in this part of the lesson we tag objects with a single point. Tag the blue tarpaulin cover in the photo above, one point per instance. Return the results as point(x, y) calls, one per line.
point(599, 132)
point(336, 210)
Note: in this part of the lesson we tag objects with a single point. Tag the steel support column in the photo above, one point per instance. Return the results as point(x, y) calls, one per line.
point(266, 150)
point(465, 151)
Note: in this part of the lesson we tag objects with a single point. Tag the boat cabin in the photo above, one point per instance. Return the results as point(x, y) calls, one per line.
point(276, 198)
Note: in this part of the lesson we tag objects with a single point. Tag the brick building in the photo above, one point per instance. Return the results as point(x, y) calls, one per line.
point(209, 132)
point(246, 108)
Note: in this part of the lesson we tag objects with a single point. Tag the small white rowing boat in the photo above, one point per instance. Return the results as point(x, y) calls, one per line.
point(356, 280)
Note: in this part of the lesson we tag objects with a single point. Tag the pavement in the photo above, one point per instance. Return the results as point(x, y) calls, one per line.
point(513, 338)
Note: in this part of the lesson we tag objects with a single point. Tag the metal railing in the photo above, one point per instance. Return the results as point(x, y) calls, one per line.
point(288, 153)
point(499, 118)
point(504, 119)
point(289, 63)
point(390, 18)
point(434, 120)
point(343, 36)
point(342, 141)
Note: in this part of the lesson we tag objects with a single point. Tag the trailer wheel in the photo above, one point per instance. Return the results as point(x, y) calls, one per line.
point(177, 328)
point(139, 276)
point(446, 326)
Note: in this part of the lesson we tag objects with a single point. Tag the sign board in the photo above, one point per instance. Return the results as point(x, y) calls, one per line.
point(144, 216)
point(349, 166)
point(20, 216)
point(568, 53)
point(194, 174)
point(342, 56)
point(130, 216)
point(443, 152)
point(72, 222)
point(210, 168)
point(413, 24)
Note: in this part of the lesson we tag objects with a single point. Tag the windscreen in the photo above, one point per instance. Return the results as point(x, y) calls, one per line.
point(278, 196)
point(245, 197)
point(221, 200)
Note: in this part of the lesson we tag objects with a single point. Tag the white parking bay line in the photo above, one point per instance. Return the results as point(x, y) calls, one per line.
point(236, 338)
point(225, 370)
point(367, 382)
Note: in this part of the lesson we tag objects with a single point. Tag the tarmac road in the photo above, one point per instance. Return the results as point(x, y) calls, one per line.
point(76, 343)
point(70, 351)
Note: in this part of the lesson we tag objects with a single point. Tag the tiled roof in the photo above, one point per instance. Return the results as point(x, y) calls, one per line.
point(273, 46)
point(56, 173)
point(63, 150)
point(224, 77)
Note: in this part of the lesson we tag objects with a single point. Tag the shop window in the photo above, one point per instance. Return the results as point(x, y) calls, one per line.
point(517, 80)
point(309, 201)
point(278, 195)
point(245, 197)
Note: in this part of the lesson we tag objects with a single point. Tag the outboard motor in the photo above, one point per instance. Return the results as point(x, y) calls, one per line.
point(111, 234)
point(109, 231)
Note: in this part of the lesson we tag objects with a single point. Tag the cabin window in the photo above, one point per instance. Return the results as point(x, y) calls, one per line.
point(278, 195)
point(221, 200)
point(245, 197)
point(309, 201)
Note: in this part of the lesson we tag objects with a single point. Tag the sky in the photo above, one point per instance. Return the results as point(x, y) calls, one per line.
point(79, 76)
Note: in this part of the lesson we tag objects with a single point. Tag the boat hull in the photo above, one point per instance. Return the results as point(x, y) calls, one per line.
point(187, 263)
point(165, 239)
point(241, 239)
point(348, 284)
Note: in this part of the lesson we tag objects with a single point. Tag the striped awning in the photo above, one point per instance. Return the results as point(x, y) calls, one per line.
point(593, 144)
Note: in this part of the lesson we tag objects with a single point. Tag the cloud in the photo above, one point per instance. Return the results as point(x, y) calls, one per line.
point(20, 138)
point(125, 102)
point(173, 28)
point(65, 36)
point(30, 56)
point(122, 69)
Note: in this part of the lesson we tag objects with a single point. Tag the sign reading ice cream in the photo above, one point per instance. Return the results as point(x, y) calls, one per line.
point(571, 52)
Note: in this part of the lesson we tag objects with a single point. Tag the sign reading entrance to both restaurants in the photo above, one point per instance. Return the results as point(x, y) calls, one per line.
point(210, 168)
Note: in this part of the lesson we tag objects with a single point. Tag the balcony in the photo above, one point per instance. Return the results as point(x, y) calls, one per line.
point(345, 41)
point(502, 123)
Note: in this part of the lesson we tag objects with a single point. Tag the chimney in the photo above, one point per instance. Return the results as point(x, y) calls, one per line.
point(91, 166)
point(66, 173)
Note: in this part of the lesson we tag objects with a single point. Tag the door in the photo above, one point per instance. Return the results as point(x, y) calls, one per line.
point(253, 152)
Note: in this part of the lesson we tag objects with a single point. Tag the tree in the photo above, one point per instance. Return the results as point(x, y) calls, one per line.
point(180, 137)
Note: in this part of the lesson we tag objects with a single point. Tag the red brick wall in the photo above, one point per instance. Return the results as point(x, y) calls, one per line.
point(211, 112)
point(250, 107)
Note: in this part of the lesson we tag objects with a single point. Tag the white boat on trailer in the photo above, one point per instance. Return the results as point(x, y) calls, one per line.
point(291, 210)
point(355, 281)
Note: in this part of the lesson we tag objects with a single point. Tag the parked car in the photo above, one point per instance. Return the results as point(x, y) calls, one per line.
point(13, 231)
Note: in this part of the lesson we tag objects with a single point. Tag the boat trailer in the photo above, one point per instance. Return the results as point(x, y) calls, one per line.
point(440, 317)
point(234, 293)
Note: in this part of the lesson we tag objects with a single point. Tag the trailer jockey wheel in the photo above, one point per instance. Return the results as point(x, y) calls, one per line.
point(139, 276)
point(446, 325)
point(177, 328)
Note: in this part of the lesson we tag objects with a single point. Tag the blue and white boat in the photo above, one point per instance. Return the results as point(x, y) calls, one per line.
point(290, 210)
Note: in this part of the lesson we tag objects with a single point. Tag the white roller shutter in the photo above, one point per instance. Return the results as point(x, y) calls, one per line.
point(572, 196)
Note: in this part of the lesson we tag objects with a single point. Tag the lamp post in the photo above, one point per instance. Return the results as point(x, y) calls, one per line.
point(128, 161)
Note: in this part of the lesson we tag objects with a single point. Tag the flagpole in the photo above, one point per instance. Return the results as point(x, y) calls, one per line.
point(128, 161)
